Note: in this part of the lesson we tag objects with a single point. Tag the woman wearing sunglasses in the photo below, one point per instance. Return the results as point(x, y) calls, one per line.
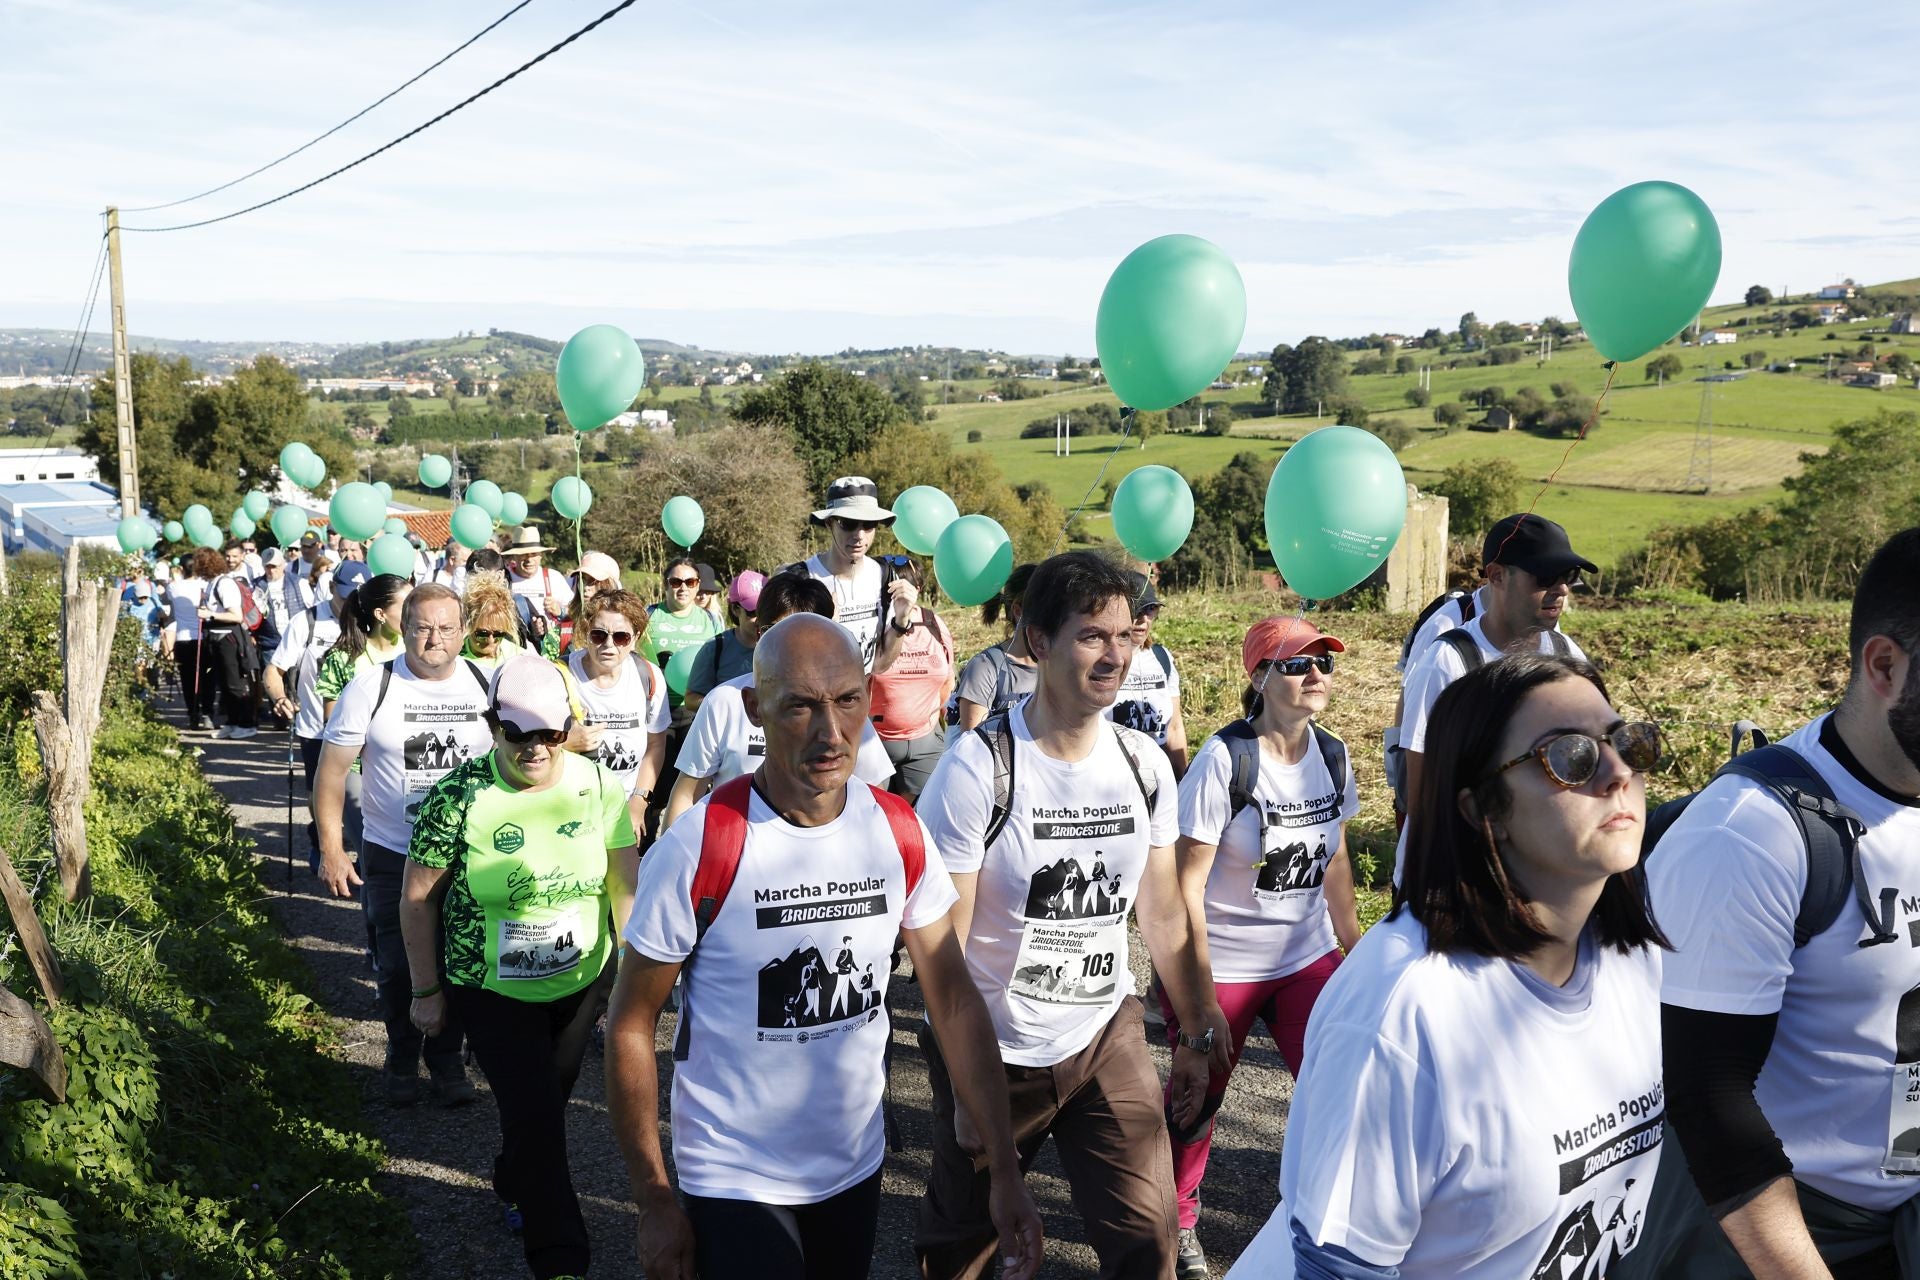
point(527, 973)
point(1481, 1096)
point(624, 694)
point(493, 623)
point(1263, 861)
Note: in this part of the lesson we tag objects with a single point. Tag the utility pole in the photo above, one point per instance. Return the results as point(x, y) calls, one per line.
point(122, 378)
point(453, 483)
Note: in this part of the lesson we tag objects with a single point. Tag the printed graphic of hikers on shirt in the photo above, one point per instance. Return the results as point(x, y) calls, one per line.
point(1289, 867)
point(617, 755)
point(808, 988)
point(1142, 716)
point(434, 752)
point(1065, 890)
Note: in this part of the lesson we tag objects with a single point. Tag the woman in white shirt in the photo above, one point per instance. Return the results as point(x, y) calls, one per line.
point(1481, 1097)
point(624, 695)
point(185, 595)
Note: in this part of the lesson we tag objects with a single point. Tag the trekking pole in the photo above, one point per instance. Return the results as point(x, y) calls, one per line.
point(290, 745)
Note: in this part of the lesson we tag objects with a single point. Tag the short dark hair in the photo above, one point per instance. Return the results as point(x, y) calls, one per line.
point(788, 592)
point(676, 563)
point(1886, 601)
point(1454, 882)
point(1009, 596)
point(1070, 583)
point(486, 558)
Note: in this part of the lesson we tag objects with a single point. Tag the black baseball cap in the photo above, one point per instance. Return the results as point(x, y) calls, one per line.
point(709, 580)
point(1142, 595)
point(1533, 543)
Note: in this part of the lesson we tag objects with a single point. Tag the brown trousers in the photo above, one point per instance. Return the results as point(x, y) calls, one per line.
point(1104, 1110)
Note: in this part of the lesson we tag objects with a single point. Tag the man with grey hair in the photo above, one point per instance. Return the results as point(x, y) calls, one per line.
point(408, 722)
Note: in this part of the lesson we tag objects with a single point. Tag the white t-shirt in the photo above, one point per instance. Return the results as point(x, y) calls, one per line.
point(1149, 696)
point(1461, 1119)
point(1440, 621)
point(1726, 882)
point(224, 595)
point(856, 605)
point(538, 586)
point(183, 598)
point(303, 642)
point(778, 1099)
point(722, 743)
point(1048, 943)
point(423, 728)
point(454, 576)
point(627, 711)
point(256, 567)
point(1265, 901)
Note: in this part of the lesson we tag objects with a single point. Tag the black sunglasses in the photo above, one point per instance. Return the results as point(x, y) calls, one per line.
point(1301, 663)
point(1571, 759)
point(600, 635)
point(898, 562)
point(491, 635)
point(520, 738)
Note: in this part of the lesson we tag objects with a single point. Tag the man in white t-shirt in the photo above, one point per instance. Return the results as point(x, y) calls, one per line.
point(452, 569)
point(408, 722)
point(778, 1135)
point(876, 608)
point(1793, 1068)
point(1530, 569)
point(1055, 823)
point(306, 639)
point(548, 594)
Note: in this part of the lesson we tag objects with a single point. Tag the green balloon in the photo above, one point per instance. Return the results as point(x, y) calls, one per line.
point(135, 534)
point(384, 489)
point(680, 666)
point(174, 530)
point(435, 471)
point(391, 553)
point(291, 457)
point(683, 519)
point(472, 526)
point(513, 508)
point(1152, 512)
point(289, 525)
point(206, 536)
point(571, 497)
point(973, 559)
point(1642, 267)
point(1334, 509)
point(313, 471)
point(486, 495)
point(241, 525)
point(357, 510)
point(1171, 317)
point(599, 373)
point(255, 504)
point(197, 517)
point(921, 515)
point(394, 524)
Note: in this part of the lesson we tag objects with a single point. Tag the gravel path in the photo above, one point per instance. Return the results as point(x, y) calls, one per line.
point(439, 1159)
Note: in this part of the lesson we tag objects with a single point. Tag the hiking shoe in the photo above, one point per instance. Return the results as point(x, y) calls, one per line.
point(515, 1220)
point(242, 731)
point(451, 1088)
point(1190, 1263)
point(400, 1090)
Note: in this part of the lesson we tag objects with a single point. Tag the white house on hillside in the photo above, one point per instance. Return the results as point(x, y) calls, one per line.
point(1717, 337)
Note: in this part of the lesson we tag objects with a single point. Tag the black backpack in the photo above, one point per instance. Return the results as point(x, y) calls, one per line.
point(997, 732)
point(1830, 831)
point(1469, 649)
point(1243, 751)
point(1467, 611)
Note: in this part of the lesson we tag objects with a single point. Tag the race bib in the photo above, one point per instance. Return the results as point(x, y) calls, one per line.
point(1903, 1114)
point(540, 948)
point(1071, 961)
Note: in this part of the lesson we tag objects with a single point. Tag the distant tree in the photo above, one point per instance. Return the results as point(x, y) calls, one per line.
point(1505, 331)
point(1393, 433)
point(909, 394)
point(1527, 406)
point(830, 414)
point(1759, 295)
point(1803, 318)
point(1433, 340)
point(1405, 364)
point(1348, 410)
point(1479, 492)
point(1449, 414)
point(1273, 391)
point(1568, 414)
point(1557, 328)
point(1219, 420)
point(1419, 397)
point(1315, 372)
point(1147, 425)
point(1228, 522)
point(974, 436)
point(1664, 366)
point(1367, 366)
point(1753, 358)
point(400, 407)
point(1505, 355)
point(1470, 328)
point(358, 417)
point(1900, 364)
point(463, 385)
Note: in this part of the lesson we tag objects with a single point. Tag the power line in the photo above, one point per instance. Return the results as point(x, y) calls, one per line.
point(149, 208)
point(71, 365)
point(525, 66)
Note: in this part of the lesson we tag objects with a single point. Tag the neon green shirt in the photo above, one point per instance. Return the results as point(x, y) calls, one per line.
point(668, 633)
point(527, 912)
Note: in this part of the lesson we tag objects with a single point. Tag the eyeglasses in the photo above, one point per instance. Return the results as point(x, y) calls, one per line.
point(491, 635)
point(426, 632)
point(1571, 759)
point(520, 738)
point(1301, 663)
point(857, 526)
point(688, 583)
point(600, 635)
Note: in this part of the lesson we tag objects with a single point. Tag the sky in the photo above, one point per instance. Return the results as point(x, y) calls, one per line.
point(804, 176)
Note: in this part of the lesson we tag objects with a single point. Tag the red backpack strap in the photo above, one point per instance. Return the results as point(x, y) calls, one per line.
point(907, 835)
point(722, 841)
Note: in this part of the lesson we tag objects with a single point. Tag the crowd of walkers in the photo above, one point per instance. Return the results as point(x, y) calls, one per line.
point(1586, 1041)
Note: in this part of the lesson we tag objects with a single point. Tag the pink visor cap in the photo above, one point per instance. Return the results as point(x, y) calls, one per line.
point(529, 693)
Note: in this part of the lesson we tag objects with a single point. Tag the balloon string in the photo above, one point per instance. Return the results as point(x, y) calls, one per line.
point(1613, 367)
point(577, 553)
point(1127, 413)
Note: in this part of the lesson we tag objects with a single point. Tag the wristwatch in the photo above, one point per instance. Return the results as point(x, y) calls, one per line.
point(895, 624)
point(1202, 1043)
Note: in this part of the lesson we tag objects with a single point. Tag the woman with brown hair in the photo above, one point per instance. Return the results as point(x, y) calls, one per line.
point(623, 693)
point(493, 623)
point(186, 594)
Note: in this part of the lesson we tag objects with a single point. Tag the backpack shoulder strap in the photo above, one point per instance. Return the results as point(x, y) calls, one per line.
point(386, 678)
point(1463, 644)
point(1561, 647)
point(1333, 754)
point(997, 732)
point(1831, 834)
point(1469, 605)
point(1164, 658)
point(1434, 606)
point(906, 833)
point(723, 839)
point(645, 669)
point(479, 677)
point(1243, 761)
point(1149, 791)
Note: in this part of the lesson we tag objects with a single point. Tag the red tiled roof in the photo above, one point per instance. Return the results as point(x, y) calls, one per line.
point(434, 527)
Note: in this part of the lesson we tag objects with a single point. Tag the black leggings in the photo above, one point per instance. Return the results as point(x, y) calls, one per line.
point(196, 687)
point(747, 1240)
point(227, 657)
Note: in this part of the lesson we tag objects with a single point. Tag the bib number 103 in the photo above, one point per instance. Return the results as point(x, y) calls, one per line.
point(1099, 965)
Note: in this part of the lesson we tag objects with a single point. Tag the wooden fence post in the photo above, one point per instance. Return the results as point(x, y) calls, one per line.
point(66, 729)
point(26, 1041)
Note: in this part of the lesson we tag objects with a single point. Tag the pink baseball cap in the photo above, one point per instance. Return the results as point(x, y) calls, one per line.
point(601, 567)
point(529, 693)
point(744, 590)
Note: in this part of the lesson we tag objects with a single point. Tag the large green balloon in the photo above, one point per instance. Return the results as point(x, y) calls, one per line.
point(313, 471)
point(391, 553)
point(289, 525)
point(599, 373)
point(435, 471)
point(486, 495)
point(921, 515)
point(135, 534)
point(680, 667)
point(973, 560)
point(472, 526)
point(357, 510)
point(197, 516)
point(174, 530)
point(571, 497)
point(255, 504)
point(513, 508)
point(206, 536)
point(292, 456)
point(1171, 317)
point(1152, 512)
point(241, 525)
point(384, 489)
point(394, 524)
point(1335, 506)
point(1642, 267)
point(683, 520)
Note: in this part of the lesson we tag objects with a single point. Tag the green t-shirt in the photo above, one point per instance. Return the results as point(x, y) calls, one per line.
point(337, 671)
point(668, 634)
point(527, 912)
